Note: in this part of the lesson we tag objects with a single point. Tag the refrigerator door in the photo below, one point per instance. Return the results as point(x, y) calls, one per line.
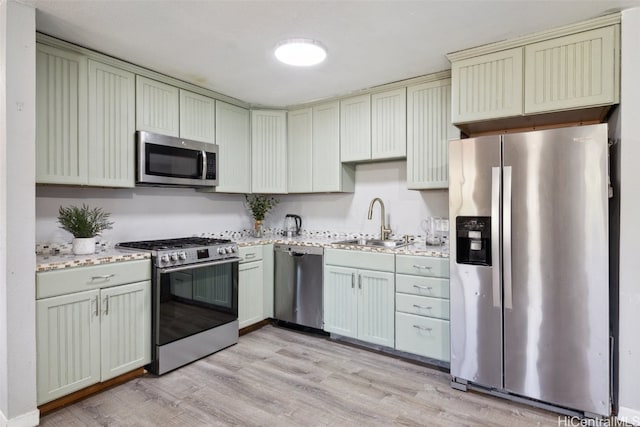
point(556, 281)
point(476, 313)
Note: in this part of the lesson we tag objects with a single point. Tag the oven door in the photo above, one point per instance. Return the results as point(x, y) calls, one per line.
point(194, 298)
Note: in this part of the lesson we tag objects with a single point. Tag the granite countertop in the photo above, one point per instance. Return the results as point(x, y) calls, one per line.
point(46, 262)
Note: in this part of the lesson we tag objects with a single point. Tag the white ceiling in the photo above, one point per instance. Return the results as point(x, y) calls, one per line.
point(227, 46)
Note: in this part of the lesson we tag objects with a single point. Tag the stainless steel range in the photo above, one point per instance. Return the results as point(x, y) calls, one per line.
point(194, 298)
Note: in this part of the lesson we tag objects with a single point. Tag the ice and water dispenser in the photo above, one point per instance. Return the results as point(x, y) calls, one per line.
point(473, 234)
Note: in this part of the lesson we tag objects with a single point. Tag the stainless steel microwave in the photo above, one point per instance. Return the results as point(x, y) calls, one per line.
point(167, 160)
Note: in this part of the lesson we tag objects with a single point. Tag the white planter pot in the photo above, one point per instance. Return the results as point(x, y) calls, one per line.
point(84, 246)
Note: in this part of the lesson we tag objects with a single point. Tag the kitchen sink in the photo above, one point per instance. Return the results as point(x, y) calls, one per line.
point(374, 243)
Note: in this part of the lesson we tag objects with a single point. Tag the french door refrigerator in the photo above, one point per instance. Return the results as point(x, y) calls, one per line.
point(530, 266)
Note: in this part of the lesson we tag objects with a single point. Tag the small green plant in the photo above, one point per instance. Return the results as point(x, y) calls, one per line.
point(259, 205)
point(83, 222)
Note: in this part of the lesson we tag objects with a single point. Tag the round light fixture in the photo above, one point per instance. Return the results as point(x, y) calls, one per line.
point(300, 52)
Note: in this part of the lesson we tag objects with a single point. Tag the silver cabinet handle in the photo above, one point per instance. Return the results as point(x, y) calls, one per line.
point(422, 328)
point(495, 235)
point(106, 306)
point(96, 301)
point(422, 306)
point(353, 280)
point(359, 281)
point(250, 256)
point(103, 277)
point(423, 287)
point(422, 267)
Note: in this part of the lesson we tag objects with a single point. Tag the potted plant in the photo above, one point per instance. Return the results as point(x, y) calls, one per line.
point(259, 205)
point(85, 224)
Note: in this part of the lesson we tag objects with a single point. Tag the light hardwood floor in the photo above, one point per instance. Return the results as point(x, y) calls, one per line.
point(278, 377)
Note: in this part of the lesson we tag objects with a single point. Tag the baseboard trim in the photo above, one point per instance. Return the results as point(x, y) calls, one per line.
point(629, 416)
point(86, 392)
point(29, 419)
point(254, 327)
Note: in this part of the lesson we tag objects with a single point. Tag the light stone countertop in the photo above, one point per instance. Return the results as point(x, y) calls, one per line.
point(105, 255)
point(102, 256)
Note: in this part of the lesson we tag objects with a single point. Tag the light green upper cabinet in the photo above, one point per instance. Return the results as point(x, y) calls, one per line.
point(234, 148)
point(157, 107)
point(575, 71)
point(268, 151)
point(429, 130)
point(61, 116)
point(487, 86)
point(299, 146)
point(355, 128)
point(111, 143)
point(197, 117)
point(329, 174)
point(389, 124)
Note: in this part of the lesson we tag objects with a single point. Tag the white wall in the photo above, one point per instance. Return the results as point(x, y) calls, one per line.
point(17, 214)
point(629, 338)
point(150, 213)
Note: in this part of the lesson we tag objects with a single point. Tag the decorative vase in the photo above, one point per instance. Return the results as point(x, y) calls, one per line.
point(83, 246)
point(257, 228)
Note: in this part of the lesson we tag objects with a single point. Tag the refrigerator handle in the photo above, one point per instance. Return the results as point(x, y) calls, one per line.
point(506, 234)
point(495, 234)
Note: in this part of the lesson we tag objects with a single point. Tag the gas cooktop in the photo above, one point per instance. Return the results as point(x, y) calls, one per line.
point(185, 250)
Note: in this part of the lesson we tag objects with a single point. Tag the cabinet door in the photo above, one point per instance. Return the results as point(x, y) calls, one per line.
point(125, 328)
point(376, 307)
point(327, 169)
point(487, 86)
point(197, 117)
point(429, 130)
point(269, 151)
point(389, 124)
point(355, 128)
point(61, 116)
point(157, 107)
point(111, 143)
point(575, 71)
point(340, 301)
point(234, 148)
point(250, 293)
point(299, 143)
point(68, 344)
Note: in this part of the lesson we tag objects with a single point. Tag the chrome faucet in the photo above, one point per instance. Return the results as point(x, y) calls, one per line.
point(384, 231)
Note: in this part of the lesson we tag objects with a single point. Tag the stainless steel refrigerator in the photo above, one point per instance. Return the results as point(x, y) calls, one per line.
point(530, 266)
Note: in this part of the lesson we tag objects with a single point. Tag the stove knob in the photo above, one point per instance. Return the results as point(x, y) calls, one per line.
point(221, 251)
point(233, 249)
point(174, 256)
point(164, 258)
point(229, 250)
point(182, 255)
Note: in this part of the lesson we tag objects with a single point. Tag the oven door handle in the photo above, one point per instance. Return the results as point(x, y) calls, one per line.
point(194, 266)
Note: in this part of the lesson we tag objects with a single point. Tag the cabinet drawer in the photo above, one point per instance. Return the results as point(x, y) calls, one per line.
point(60, 282)
point(250, 253)
point(423, 336)
point(424, 286)
point(423, 306)
point(360, 259)
point(422, 266)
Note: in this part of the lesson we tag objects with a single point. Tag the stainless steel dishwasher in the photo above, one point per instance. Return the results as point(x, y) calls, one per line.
point(298, 285)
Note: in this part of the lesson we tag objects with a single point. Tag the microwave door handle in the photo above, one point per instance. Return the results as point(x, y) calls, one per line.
point(203, 154)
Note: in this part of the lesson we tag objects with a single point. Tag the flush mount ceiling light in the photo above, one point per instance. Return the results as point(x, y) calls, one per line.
point(300, 52)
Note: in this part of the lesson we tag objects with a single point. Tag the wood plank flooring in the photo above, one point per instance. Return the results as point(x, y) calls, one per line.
point(278, 377)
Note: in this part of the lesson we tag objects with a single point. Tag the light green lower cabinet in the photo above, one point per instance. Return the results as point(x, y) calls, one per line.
point(359, 303)
point(85, 337)
point(422, 306)
point(255, 284)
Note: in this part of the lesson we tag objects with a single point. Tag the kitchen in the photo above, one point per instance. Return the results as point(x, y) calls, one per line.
point(130, 210)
